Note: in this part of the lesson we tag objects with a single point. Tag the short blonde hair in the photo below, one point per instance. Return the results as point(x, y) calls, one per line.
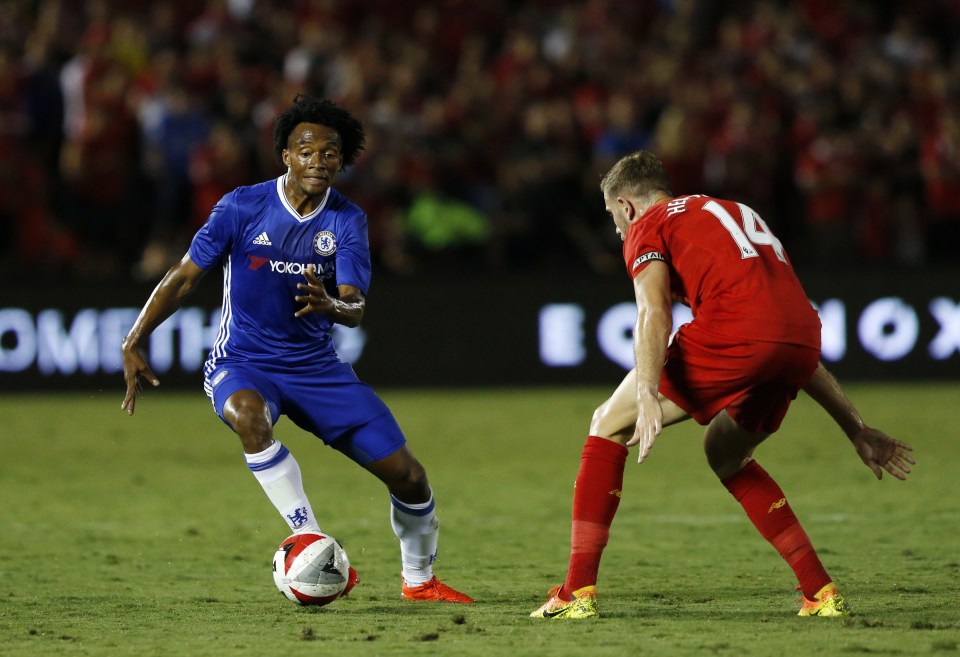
point(637, 175)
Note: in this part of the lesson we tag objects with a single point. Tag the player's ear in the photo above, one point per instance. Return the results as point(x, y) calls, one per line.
point(285, 156)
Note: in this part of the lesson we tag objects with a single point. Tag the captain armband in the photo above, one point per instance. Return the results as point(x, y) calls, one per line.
point(647, 257)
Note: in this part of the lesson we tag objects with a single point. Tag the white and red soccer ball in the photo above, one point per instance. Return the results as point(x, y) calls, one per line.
point(311, 569)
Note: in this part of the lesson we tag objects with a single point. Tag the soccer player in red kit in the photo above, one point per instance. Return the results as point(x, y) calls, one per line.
point(753, 344)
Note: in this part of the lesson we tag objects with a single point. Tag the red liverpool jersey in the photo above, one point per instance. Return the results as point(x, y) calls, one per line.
point(727, 266)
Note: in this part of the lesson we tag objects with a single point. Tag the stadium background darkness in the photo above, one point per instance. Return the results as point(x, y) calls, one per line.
point(488, 126)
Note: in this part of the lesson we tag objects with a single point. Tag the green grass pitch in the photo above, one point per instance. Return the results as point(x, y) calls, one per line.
point(148, 535)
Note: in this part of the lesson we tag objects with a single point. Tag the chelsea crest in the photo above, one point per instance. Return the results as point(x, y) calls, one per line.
point(325, 243)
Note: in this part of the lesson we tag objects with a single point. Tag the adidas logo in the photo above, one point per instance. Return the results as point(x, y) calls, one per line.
point(262, 239)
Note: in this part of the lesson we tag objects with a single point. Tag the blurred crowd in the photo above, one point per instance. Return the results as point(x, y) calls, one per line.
point(489, 123)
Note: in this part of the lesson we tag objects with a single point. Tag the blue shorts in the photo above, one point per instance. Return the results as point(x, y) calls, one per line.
point(329, 401)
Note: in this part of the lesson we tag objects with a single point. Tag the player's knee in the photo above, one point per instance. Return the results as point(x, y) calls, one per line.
point(596, 418)
point(403, 476)
point(603, 426)
point(728, 447)
point(250, 419)
point(723, 465)
point(599, 423)
point(409, 484)
point(414, 479)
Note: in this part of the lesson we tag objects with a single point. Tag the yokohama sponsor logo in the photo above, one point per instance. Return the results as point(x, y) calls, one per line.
point(280, 267)
point(293, 267)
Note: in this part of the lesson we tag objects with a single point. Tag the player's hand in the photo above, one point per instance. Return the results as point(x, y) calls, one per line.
point(315, 296)
point(649, 423)
point(881, 452)
point(135, 366)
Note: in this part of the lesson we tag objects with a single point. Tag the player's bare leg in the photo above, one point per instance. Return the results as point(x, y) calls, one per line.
point(596, 498)
point(271, 463)
point(729, 450)
point(727, 446)
point(247, 413)
point(403, 476)
point(415, 524)
point(616, 418)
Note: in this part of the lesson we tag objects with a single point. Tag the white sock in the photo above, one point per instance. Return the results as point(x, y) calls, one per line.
point(279, 474)
point(417, 527)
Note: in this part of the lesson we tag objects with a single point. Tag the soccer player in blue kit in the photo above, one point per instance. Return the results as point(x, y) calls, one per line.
point(295, 262)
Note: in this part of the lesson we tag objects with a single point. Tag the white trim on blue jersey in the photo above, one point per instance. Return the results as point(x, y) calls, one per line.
point(223, 332)
point(281, 182)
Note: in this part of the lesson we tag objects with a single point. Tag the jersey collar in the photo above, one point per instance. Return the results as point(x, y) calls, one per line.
point(281, 181)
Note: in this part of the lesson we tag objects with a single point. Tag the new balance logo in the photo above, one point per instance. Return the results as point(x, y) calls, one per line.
point(262, 239)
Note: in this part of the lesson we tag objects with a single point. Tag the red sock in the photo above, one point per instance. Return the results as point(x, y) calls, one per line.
point(770, 513)
point(596, 497)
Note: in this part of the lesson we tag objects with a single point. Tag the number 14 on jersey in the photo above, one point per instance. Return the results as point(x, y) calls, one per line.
point(749, 232)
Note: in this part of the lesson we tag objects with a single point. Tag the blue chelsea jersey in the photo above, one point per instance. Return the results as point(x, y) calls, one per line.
point(264, 246)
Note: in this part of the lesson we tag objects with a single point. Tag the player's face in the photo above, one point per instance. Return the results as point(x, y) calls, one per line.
point(618, 212)
point(313, 158)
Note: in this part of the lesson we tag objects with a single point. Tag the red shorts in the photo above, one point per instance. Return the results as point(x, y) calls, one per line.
point(754, 381)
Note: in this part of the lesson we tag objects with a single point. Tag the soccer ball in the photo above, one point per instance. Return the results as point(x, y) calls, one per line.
point(310, 569)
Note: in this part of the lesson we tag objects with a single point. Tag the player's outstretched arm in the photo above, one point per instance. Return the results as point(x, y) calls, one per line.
point(877, 450)
point(166, 298)
point(654, 321)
